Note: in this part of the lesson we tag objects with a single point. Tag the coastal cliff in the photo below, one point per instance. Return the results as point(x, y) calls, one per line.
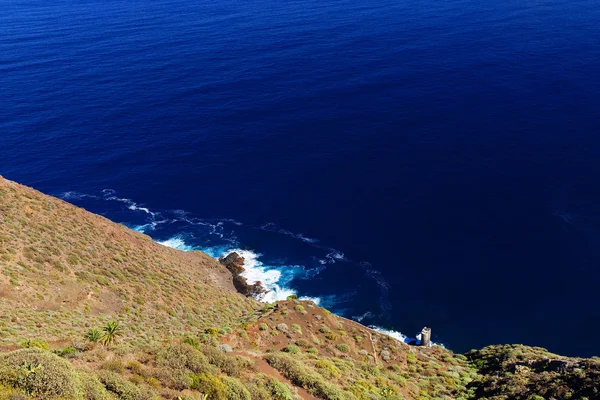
point(90, 309)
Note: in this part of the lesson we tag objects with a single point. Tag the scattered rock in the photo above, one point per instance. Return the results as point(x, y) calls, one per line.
point(385, 355)
point(225, 348)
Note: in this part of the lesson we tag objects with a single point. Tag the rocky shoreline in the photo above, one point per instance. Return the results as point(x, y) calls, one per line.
point(235, 264)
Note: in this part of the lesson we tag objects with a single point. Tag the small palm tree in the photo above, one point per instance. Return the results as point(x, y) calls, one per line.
point(112, 330)
point(93, 335)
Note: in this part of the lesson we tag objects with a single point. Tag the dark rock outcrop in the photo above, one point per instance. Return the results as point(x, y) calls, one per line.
point(235, 264)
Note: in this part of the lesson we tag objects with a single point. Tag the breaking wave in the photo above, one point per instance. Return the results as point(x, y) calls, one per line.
point(416, 340)
point(181, 230)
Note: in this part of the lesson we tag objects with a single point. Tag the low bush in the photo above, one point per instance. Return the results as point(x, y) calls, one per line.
point(343, 347)
point(192, 342)
point(93, 388)
point(183, 357)
point(30, 343)
point(210, 385)
point(235, 389)
point(232, 365)
point(40, 373)
point(327, 369)
point(67, 352)
point(268, 388)
point(136, 367)
point(299, 375)
point(113, 366)
point(120, 386)
point(291, 349)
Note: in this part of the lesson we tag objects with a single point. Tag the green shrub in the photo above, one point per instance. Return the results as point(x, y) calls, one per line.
point(93, 388)
point(212, 331)
point(114, 366)
point(136, 367)
point(183, 357)
point(263, 326)
point(120, 386)
point(192, 342)
point(67, 352)
point(210, 385)
point(327, 369)
point(300, 376)
point(10, 393)
point(208, 339)
point(342, 347)
point(290, 348)
point(279, 390)
point(232, 365)
point(235, 389)
point(325, 329)
point(40, 373)
point(269, 388)
point(299, 308)
point(31, 343)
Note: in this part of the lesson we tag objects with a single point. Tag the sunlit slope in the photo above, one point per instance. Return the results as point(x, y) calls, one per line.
point(64, 269)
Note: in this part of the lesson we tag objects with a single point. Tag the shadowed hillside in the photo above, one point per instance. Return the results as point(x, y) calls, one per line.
point(90, 309)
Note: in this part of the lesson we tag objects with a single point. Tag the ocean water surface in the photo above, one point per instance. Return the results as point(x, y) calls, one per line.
point(406, 164)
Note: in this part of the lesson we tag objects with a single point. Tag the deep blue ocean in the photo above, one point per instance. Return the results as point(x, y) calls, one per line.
point(405, 163)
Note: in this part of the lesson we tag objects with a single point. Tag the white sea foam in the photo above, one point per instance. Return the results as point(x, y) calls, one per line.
point(272, 278)
point(141, 228)
point(109, 194)
point(176, 242)
point(134, 207)
point(75, 196)
point(149, 226)
point(359, 318)
point(402, 337)
point(272, 227)
point(256, 271)
point(315, 300)
point(395, 334)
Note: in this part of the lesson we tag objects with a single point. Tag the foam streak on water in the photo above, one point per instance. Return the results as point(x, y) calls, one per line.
point(218, 237)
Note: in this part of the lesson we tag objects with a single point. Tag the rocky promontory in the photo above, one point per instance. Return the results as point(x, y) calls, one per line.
point(235, 264)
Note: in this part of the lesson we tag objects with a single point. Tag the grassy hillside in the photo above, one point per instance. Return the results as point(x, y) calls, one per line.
point(532, 373)
point(65, 270)
point(92, 310)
